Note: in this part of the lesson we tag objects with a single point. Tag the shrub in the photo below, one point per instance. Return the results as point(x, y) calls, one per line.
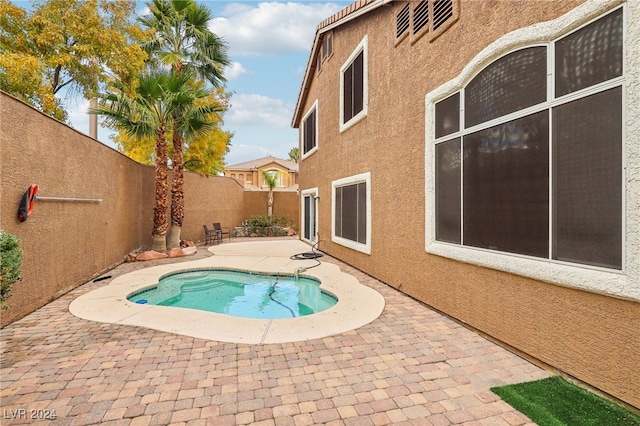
point(10, 260)
point(265, 220)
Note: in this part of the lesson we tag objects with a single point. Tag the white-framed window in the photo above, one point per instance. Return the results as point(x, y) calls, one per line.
point(524, 159)
point(351, 212)
point(354, 92)
point(309, 209)
point(310, 131)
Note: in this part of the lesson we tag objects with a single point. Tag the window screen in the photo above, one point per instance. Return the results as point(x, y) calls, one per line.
point(589, 56)
point(309, 141)
point(353, 101)
point(448, 191)
point(351, 212)
point(448, 116)
point(506, 187)
point(587, 180)
point(513, 82)
point(528, 188)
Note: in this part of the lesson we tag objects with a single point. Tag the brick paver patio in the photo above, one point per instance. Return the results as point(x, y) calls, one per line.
point(412, 365)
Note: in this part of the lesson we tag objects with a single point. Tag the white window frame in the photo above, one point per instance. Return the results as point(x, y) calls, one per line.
point(352, 180)
point(313, 192)
point(363, 47)
point(623, 283)
point(313, 108)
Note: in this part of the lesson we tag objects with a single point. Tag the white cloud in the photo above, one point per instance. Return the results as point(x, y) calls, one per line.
point(271, 27)
point(78, 110)
point(234, 71)
point(256, 110)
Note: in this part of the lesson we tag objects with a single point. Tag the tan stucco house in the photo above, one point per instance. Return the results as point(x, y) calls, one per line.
point(250, 175)
point(483, 157)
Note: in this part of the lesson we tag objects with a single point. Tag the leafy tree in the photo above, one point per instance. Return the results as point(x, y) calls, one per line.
point(140, 149)
point(160, 95)
point(204, 154)
point(72, 44)
point(183, 41)
point(294, 154)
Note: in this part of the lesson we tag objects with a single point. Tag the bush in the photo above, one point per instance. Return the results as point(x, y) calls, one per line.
point(265, 220)
point(10, 260)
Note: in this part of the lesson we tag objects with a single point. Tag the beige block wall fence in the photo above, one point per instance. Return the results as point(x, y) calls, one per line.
point(68, 243)
point(592, 337)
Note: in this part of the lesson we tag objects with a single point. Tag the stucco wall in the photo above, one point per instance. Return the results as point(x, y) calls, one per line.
point(67, 243)
point(284, 203)
point(590, 336)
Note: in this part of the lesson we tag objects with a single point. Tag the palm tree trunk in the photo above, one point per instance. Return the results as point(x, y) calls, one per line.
point(270, 203)
point(177, 192)
point(160, 219)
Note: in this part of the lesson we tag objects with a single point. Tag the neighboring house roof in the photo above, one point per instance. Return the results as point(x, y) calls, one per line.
point(261, 162)
point(350, 12)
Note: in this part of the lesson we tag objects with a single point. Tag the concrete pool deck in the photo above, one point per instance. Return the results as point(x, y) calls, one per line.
point(409, 366)
point(357, 304)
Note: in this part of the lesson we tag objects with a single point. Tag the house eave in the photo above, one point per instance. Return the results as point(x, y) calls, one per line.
point(351, 12)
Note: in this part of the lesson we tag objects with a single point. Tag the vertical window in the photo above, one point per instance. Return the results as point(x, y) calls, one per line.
point(354, 92)
point(310, 131)
point(352, 212)
point(310, 214)
point(519, 170)
point(448, 191)
point(588, 180)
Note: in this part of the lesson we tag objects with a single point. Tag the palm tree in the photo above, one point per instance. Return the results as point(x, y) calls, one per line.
point(294, 154)
point(183, 42)
point(159, 96)
point(192, 117)
point(271, 180)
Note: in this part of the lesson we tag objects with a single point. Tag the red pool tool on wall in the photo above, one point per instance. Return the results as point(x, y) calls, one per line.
point(27, 203)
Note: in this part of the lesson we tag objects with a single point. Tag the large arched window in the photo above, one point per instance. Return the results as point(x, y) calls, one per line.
point(528, 155)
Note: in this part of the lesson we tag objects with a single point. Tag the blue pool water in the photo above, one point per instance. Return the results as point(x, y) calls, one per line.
point(239, 293)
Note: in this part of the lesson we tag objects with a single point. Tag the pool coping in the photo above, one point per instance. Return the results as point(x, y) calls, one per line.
point(357, 304)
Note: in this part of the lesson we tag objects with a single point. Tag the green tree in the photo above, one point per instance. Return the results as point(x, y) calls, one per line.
point(294, 154)
point(270, 178)
point(72, 44)
point(183, 41)
point(204, 154)
point(145, 114)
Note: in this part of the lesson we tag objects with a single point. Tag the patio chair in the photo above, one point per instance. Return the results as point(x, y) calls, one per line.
point(221, 231)
point(210, 235)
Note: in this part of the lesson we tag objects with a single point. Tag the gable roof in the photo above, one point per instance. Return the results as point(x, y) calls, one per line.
point(261, 162)
point(347, 14)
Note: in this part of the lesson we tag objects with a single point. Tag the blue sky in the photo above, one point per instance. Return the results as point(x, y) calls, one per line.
point(269, 44)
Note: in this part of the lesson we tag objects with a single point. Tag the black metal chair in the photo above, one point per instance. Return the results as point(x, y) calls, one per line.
point(210, 235)
point(221, 231)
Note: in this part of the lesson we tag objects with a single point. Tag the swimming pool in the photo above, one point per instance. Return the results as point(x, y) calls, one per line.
point(239, 293)
point(357, 304)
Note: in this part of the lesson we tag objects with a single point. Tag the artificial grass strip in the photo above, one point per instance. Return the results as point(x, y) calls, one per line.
point(556, 402)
